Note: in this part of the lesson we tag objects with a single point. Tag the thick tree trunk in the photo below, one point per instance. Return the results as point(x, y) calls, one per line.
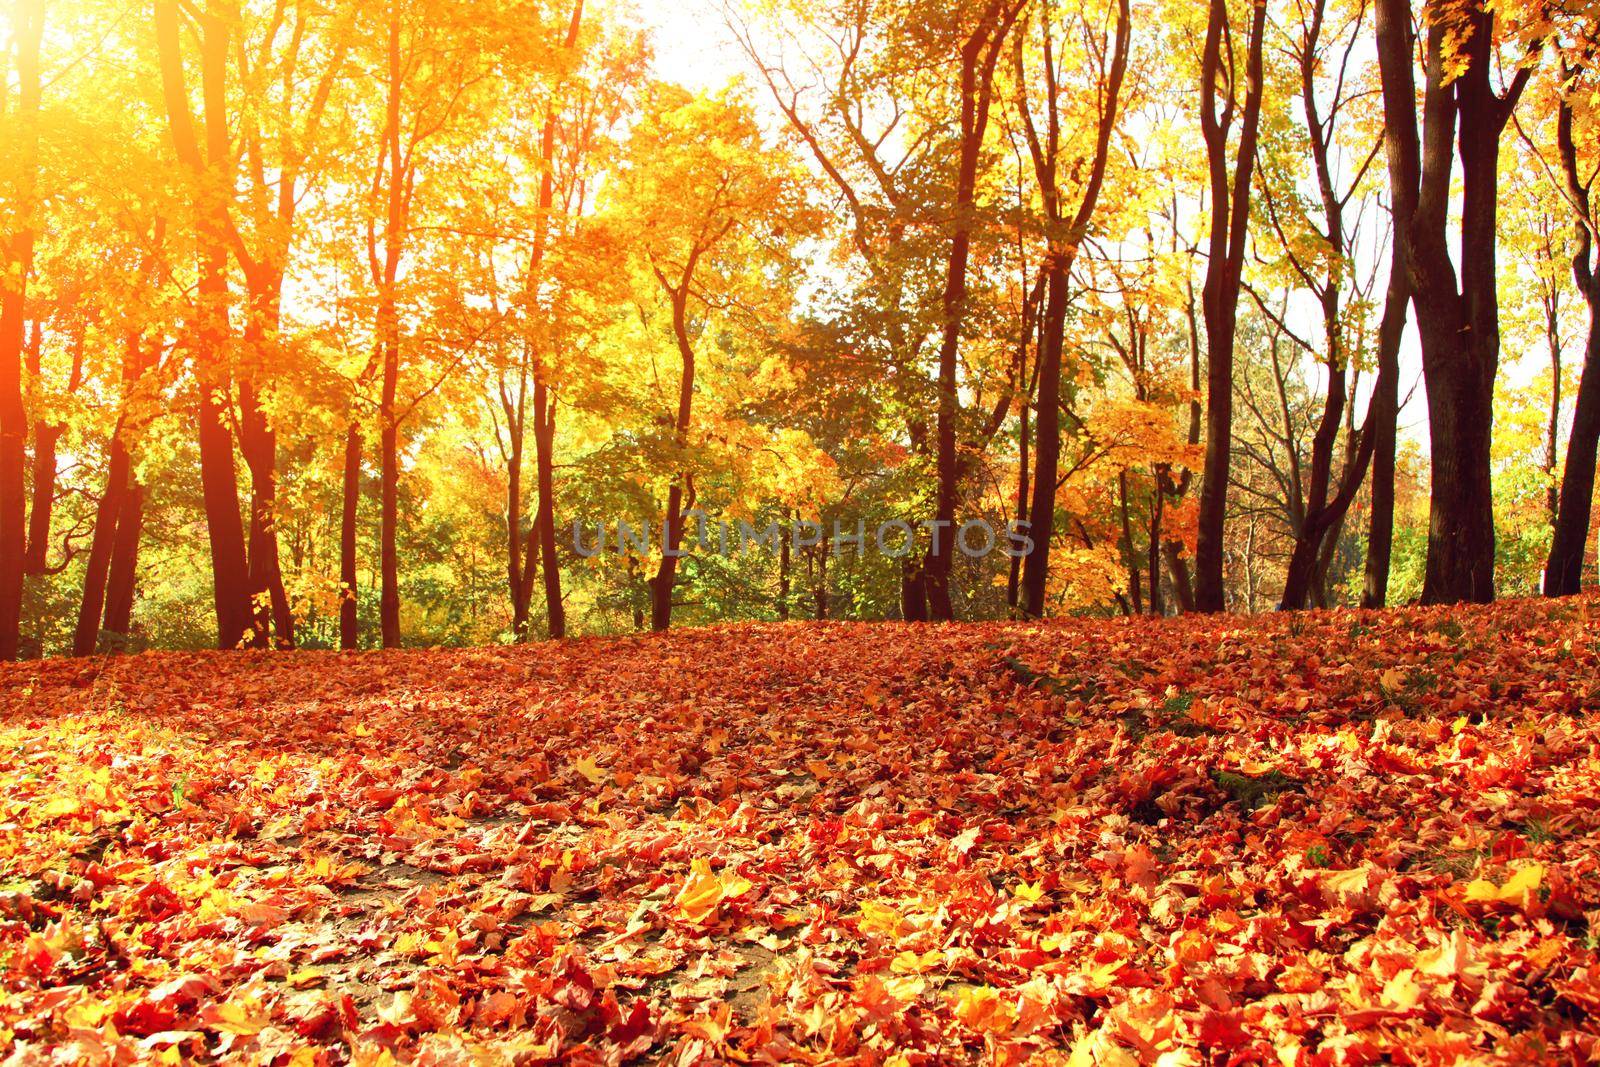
point(1564, 572)
point(16, 262)
point(349, 624)
point(913, 590)
point(45, 436)
point(258, 442)
point(1460, 377)
point(1459, 328)
point(269, 602)
point(1178, 567)
point(119, 521)
point(667, 572)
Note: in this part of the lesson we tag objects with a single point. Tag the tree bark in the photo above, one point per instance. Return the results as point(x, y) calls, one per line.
point(16, 262)
point(544, 433)
point(45, 437)
point(1230, 215)
point(1459, 327)
point(211, 174)
point(1066, 237)
point(87, 633)
point(349, 623)
point(979, 56)
point(389, 340)
point(1383, 415)
point(122, 581)
point(783, 571)
point(1563, 574)
point(672, 527)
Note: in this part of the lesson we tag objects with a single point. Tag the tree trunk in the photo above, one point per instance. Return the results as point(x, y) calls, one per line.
point(913, 589)
point(389, 340)
point(389, 490)
point(119, 521)
point(349, 624)
point(1459, 328)
point(1014, 577)
point(1066, 236)
point(1153, 556)
point(783, 571)
point(979, 56)
point(16, 260)
point(258, 442)
point(45, 436)
point(87, 633)
point(1563, 574)
point(516, 587)
point(1047, 452)
point(544, 433)
point(121, 583)
point(821, 590)
point(672, 527)
point(1230, 215)
point(1130, 557)
point(209, 333)
point(1383, 413)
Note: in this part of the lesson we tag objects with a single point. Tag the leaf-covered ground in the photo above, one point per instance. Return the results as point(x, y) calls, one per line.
point(1342, 838)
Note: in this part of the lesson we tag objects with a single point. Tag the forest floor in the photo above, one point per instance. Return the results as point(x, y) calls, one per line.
point(1335, 837)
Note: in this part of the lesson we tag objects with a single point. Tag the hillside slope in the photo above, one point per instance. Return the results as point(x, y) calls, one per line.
point(1349, 835)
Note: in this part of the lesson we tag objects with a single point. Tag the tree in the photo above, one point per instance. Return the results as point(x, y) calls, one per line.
point(1229, 201)
point(1564, 571)
point(211, 175)
point(16, 260)
point(715, 210)
point(1064, 236)
point(1319, 247)
point(980, 53)
point(1457, 319)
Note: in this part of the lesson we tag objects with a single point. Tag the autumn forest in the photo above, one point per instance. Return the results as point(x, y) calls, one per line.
point(337, 325)
point(896, 532)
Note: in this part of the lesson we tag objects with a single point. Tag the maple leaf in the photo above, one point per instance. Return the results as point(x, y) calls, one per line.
point(704, 891)
point(1519, 890)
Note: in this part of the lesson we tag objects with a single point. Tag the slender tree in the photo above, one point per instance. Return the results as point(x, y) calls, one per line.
point(980, 53)
point(1563, 573)
point(16, 262)
point(211, 180)
point(1229, 200)
point(1065, 235)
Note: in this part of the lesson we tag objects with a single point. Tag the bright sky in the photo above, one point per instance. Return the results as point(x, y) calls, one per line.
point(692, 43)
